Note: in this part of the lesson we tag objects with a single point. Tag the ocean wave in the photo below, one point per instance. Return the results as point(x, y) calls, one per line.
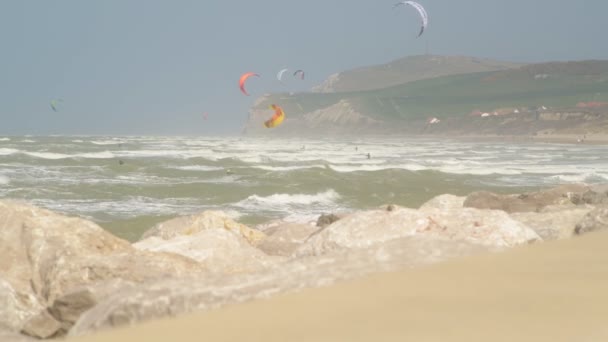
point(282, 200)
point(288, 168)
point(28, 141)
point(5, 139)
point(47, 155)
point(7, 151)
point(196, 168)
point(372, 168)
point(106, 142)
point(4, 180)
point(57, 156)
point(581, 178)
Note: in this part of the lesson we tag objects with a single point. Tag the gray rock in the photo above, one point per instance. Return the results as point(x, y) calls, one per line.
point(217, 250)
point(366, 228)
point(553, 224)
point(284, 239)
point(591, 197)
point(178, 296)
point(192, 224)
point(7, 335)
point(42, 326)
point(597, 219)
point(327, 219)
point(46, 255)
point(533, 201)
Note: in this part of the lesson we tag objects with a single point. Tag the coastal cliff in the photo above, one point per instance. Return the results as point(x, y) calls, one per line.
point(556, 97)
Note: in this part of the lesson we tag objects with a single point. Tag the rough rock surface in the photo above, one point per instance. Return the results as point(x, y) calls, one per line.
point(553, 224)
point(597, 219)
point(177, 296)
point(365, 228)
point(218, 250)
point(192, 224)
point(284, 239)
point(533, 201)
point(46, 255)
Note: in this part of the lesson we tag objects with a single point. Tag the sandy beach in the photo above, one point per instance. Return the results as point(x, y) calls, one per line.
point(545, 292)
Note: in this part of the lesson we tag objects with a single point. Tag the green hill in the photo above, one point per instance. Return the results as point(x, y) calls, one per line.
point(408, 69)
point(553, 85)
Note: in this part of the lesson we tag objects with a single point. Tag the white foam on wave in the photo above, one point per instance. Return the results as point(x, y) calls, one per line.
point(284, 200)
point(288, 168)
point(28, 141)
point(57, 156)
point(106, 142)
point(96, 155)
point(371, 168)
point(301, 208)
point(4, 180)
point(77, 141)
point(7, 151)
point(129, 207)
point(5, 139)
point(47, 155)
point(205, 168)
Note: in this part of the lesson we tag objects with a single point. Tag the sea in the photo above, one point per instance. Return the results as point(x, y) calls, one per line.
point(127, 184)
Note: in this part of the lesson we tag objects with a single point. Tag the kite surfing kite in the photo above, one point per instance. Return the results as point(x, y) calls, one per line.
point(299, 72)
point(244, 78)
point(277, 118)
point(421, 11)
point(280, 74)
point(55, 104)
point(205, 116)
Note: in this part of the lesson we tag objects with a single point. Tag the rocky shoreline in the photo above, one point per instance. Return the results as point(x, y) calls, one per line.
point(64, 275)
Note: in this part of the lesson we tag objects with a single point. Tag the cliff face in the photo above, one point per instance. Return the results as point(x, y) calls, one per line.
point(514, 101)
point(339, 118)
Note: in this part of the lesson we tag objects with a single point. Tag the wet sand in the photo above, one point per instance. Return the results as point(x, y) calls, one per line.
point(555, 291)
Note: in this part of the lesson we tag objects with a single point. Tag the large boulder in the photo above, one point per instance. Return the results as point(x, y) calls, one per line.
point(443, 220)
point(284, 239)
point(178, 296)
point(532, 201)
point(16, 307)
point(552, 224)
point(209, 219)
point(44, 255)
point(218, 250)
point(597, 219)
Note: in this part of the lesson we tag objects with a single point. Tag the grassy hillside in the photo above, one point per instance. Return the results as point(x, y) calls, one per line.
point(549, 84)
point(406, 70)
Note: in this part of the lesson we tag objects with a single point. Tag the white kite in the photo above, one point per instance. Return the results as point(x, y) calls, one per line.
point(421, 11)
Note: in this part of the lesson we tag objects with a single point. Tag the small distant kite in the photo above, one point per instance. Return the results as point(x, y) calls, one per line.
point(277, 118)
point(299, 72)
point(205, 116)
point(55, 104)
point(423, 15)
point(244, 78)
point(280, 74)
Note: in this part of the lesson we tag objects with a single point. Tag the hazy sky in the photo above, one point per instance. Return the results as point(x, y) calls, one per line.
point(134, 67)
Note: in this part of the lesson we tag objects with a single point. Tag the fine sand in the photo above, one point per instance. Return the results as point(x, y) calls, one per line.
point(555, 291)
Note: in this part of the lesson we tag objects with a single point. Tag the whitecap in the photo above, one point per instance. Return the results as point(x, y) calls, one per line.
point(7, 151)
point(281, 200)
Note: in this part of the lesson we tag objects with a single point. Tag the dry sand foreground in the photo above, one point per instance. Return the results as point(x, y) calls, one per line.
point(555, 291)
